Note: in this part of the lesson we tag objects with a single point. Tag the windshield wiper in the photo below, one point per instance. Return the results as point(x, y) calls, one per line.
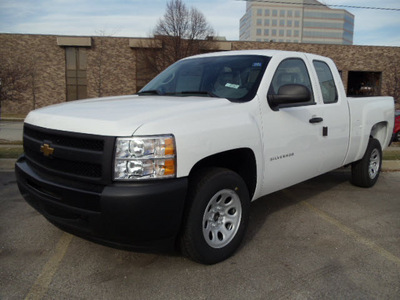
point(183, 93)
point(207, 93)
point(150, 92)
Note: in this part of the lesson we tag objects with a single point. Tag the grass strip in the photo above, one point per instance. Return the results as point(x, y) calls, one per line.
point(11, 152)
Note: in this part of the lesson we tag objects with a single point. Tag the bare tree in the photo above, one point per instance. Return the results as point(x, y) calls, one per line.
point(15, 79)
point(33, 74)
point(99, 62)
point(181, 32)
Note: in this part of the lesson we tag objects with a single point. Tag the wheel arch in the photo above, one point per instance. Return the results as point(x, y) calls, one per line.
point(379, 131)
point(242, 161)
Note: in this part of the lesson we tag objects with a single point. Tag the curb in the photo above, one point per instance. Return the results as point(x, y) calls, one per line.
point(7, 164)
point(391, 165)
point(12, 119)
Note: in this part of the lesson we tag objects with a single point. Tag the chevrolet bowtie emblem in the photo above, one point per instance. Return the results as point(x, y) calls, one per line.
point(46, 150)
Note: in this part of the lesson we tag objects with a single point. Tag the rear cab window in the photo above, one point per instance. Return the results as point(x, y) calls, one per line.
point(326, 82)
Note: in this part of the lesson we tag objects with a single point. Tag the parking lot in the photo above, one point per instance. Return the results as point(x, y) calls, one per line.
point(320, 239)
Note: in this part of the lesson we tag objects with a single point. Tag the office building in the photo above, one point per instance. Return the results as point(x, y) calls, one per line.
point(297, 21)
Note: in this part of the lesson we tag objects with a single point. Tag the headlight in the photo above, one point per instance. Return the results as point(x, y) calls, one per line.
point(147, 157)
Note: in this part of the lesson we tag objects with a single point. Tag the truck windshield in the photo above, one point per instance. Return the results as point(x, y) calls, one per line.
point(235, 78)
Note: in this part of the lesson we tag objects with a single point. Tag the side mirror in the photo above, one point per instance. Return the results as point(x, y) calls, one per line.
point(288, 95)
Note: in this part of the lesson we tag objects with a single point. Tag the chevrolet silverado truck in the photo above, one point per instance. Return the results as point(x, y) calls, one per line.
point(177, 165)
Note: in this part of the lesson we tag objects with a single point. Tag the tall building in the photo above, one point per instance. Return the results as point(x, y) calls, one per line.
point(297, 21)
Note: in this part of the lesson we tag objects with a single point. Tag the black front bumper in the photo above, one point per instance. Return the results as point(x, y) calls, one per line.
point(140, 216)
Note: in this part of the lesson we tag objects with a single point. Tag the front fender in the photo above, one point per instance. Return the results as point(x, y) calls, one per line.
point(203, 133)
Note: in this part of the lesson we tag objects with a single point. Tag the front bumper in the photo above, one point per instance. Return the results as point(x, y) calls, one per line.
point(143, 216)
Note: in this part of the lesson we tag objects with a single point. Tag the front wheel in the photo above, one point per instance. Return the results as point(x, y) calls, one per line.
point(365, 172)
point(217, 216)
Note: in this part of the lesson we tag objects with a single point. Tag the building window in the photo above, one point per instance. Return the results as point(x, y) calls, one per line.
point(274, 22)
point(266, 22)
point(259, 12)
point(266, 32)
point(282, 13)
point(76, 62)
point(273, 32)
point(296, 23)
point(258, 32)
point(267, 12)
point(296, 33)
point(281, 22)
point(364, 83)
point(281, 32)
point(288, 33)
point(274, 12)
point(290, 13)
point(259, 22)
point(289, 23)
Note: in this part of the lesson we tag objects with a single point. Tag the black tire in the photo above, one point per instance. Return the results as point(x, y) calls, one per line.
point(216, 217)
point(397, 136)
point(365, 172)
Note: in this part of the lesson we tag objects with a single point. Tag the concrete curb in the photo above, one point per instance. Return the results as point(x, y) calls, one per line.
point(391, 166)
point(12, 119)
point(7, 164)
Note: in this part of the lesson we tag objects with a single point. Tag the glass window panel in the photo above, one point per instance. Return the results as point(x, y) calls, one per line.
point(76, 77)
point(82, 62)
point(326, 81)
point(70, 57)
point(291, 71)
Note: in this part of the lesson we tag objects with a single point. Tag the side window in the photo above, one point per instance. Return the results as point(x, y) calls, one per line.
point(326, 81)
point(291, 71)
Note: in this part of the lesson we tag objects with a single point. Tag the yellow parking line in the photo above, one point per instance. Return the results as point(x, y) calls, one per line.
point(359, 238)
point(41, 285)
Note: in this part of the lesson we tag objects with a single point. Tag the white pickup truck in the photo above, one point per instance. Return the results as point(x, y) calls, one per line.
point(177, 165)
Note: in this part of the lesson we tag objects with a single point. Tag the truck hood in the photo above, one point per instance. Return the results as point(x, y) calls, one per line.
point(118, 116)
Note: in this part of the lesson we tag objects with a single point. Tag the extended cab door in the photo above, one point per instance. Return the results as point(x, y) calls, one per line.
point(297, 146)
point(333, 109)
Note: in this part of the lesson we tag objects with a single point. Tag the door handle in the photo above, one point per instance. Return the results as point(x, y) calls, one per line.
point(316, 120)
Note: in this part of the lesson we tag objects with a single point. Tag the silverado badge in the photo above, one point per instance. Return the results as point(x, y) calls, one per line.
point(46, 150)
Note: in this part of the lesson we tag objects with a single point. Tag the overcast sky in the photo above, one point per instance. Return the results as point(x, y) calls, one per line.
point(137, 18)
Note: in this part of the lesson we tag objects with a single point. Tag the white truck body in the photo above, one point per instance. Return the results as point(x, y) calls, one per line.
point(289, 144)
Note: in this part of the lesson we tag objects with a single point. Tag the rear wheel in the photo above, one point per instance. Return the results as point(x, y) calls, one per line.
point(217, 216)
point(365, 172)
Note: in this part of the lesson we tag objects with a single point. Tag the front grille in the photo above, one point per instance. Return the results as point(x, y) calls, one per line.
point(75, 155)
point(64, 140)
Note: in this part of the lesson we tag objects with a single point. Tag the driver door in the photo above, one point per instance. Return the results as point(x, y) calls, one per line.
point(291, 140)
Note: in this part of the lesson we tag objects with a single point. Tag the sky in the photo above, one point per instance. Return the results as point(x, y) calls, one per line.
point(137, 18)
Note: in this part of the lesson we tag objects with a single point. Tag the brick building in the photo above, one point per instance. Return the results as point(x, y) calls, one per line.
point(66, 68)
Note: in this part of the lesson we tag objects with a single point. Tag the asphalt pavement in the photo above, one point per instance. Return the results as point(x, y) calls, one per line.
point(322, 239)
